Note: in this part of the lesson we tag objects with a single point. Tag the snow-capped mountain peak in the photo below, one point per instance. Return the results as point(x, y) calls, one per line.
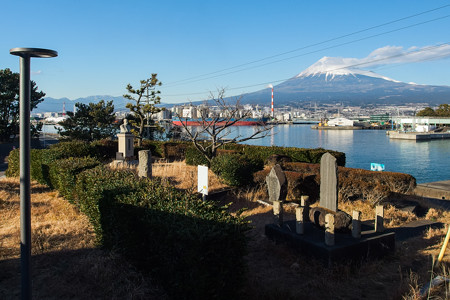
point(337, 66)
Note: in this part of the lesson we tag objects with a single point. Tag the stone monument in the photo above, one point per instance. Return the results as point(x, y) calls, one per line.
point(328, 182)
point(145, 164)
point(126, 142)
point(276, 184)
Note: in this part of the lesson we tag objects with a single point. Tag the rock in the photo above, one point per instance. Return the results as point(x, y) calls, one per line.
point(276, 184)
point(342, 220)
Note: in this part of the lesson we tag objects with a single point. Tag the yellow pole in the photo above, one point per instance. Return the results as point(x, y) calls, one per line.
point(444, 246)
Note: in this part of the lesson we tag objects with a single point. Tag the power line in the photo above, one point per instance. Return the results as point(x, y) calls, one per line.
point(315, 51)
point(308, 46)
point(340, 68)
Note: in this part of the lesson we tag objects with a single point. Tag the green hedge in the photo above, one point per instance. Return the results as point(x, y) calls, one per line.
point(235, 169)
point(195, 157)
point(194, 248)
point(296, 154)
point(62, 173)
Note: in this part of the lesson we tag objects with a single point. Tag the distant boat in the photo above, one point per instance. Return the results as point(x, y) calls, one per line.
point(221, 122)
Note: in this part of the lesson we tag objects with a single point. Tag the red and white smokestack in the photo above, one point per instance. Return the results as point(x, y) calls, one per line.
point(273, 115)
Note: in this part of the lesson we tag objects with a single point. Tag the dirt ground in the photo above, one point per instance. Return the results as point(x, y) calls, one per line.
point(66, 263)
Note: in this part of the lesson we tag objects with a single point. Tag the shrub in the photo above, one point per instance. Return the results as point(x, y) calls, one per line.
point(62, 173)
point(235, 169)
point(195, 157)
point(194, 248)
point(296, 154)
point(72, 149)
point(155, 147)
point(174, 150)
point(38, 169)
point(13, 164)
point(104, 149)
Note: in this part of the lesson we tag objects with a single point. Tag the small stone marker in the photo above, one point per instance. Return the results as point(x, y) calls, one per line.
point(276, 184)
point(329, 230)
point(300, 219)
point(145, 164)
point(328, 182)
point(304, 202)
point(379, 218)
point(356, 224)
point(278, 212)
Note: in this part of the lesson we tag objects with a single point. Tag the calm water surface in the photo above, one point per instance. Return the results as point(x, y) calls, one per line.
point(427, 161)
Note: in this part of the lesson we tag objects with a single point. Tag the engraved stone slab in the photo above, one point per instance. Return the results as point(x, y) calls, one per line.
point(145, 164)
point(276, 184)
point(328, 182)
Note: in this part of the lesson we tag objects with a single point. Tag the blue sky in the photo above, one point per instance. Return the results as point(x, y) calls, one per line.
point(104, 45)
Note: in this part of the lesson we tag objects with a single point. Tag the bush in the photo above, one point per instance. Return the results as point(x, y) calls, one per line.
point(13, 163)
point(235, 169)
point(72, 149)
point(296, 154)
point(104, 149)
point(195, 157)
point(63, 172)
point(38, 164)
point(194, 248)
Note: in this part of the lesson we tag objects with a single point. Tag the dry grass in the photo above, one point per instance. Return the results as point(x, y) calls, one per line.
point(183, 176)
point(65, 262)
point(77, 270)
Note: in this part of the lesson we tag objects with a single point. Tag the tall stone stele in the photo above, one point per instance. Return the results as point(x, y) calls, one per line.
point(328, 182)
point(126, 142)
point(276, 184)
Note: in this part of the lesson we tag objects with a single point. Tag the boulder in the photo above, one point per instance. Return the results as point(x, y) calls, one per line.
point(342, 220)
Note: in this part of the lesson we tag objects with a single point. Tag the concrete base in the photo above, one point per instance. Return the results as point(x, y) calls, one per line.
point(124, 164)
point(418, 136)
point(346, 248)
point(437, 190)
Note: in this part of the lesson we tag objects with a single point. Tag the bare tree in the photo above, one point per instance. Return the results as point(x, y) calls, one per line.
point(213, 127)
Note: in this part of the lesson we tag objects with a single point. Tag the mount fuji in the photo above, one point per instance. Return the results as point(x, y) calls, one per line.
point(334, 79)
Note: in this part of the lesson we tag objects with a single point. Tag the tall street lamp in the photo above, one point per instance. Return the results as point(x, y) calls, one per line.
point(25, 204)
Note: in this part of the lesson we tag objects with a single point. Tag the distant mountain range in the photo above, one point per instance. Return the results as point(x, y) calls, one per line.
point(56, 105)
point(326, 81)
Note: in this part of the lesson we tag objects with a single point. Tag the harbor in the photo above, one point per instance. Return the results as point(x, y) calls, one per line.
point(418, 136)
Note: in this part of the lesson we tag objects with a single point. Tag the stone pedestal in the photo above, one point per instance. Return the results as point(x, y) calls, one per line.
point(329, 230)
point(126, 144)
point(379, 218)
point(300, 218)
point(356, 224)
point(278, 212)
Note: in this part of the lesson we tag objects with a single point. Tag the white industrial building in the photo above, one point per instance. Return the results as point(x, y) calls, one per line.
point(340, 122)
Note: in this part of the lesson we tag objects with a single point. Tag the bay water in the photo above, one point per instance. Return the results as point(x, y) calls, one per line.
point(427, 161)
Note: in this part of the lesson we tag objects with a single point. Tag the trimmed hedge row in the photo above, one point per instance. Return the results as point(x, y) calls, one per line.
point(235, 169)
point(296, 154)
point(262, 153)
point(194, 248)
